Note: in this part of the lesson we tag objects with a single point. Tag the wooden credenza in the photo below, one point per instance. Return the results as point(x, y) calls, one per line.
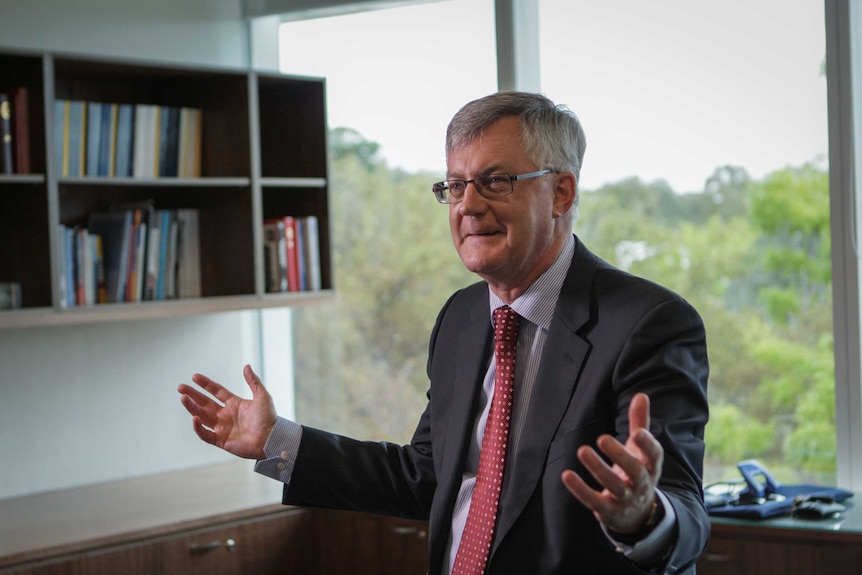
point(216, 520)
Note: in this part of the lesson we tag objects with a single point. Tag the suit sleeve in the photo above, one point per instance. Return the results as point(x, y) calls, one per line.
point(665, 357)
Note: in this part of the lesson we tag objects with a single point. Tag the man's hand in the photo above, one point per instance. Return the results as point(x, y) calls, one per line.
point(626, 500)
point(239, 426)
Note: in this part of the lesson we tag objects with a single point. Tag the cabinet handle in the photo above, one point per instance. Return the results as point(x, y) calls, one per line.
point(196, 548)
point(407, 530)
point(718, 557)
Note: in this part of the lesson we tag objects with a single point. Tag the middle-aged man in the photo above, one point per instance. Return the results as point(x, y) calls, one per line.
point(563, 432)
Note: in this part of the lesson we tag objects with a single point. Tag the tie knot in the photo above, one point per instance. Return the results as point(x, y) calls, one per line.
point(505, 324)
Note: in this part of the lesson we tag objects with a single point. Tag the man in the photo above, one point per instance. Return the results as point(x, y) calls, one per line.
point(589, 458)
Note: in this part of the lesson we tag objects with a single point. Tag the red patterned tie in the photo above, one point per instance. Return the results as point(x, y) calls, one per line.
point(478, 534)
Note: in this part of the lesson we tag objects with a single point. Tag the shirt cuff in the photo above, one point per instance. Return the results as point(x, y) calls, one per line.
point(280, 451)
point(656, 543)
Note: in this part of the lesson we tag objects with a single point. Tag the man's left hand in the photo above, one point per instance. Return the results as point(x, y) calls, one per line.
point(626, 501)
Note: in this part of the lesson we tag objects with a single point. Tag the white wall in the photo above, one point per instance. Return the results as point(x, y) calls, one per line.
point(191, 31)
point(92, 403)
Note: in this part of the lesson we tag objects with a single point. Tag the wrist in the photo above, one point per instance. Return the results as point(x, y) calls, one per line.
point(653, 518)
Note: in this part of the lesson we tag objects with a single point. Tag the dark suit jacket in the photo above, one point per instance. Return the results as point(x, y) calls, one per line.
point(612, 335)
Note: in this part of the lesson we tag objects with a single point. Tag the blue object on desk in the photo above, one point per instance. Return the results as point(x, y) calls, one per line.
point(763, 496)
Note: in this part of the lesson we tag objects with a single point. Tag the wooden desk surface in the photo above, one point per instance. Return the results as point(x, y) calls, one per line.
point(846, 527)
point(60, 522)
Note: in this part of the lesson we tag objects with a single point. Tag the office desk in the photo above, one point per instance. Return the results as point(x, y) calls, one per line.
point(786, 546)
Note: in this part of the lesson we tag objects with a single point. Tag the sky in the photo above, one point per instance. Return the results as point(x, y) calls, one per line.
point(670, 89)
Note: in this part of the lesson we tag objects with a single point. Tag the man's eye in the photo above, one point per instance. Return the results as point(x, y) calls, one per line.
point(457, 186)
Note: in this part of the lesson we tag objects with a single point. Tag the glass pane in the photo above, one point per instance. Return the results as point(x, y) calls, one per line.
point(706, 171)
point(394, 79)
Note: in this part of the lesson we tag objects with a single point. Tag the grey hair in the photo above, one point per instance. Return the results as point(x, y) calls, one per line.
point(551, 134)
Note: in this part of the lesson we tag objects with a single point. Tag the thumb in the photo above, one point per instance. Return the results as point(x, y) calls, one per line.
point(252, 380)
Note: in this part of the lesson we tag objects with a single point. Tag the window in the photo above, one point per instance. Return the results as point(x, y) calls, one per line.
point(394, 79)
point(706, 170)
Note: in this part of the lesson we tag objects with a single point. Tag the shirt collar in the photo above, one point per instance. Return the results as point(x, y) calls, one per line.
point(537, 303)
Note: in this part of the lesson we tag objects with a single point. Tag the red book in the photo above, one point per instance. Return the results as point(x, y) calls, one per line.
point(20, 130)
point(290, 246)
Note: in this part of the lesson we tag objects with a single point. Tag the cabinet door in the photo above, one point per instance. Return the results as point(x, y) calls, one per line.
point(723, 556)
point(403, 547)
point(753, 556)
point(261, 546)
point(833, 559)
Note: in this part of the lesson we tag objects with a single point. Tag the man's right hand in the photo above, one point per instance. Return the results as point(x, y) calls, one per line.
point(239, 426)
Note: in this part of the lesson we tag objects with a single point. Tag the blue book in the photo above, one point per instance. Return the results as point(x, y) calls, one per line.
point(115, 229)
point(76, 141)
point(93, 137)
point(125, 140)
point(107, 140)
point(61, 124)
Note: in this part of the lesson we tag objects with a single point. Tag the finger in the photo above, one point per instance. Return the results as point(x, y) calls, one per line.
point(652, 450)
point(203, 432)
point(579, 488)
point(606, 476)
point(638, 413)
point(198, 397)
point(218, 391)
point(207, 415)
point(631, 467)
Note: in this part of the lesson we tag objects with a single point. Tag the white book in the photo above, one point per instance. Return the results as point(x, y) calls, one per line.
point(312, 253)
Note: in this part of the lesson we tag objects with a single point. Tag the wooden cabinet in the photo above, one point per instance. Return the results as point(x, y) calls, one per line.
point(262, 155)
point(785, 547)
point(365, 544)
point(276, 543)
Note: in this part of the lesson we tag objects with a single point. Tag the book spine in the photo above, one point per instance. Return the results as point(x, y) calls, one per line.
point(93, 138)
point(6, 165)
point(312, 246)
point(290, 245)
point(20, 120)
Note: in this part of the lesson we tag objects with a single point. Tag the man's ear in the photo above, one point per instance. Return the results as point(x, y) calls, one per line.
point(565, 190)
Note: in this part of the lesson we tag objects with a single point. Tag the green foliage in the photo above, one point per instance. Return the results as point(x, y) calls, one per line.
point(732, 435)
point(751, 256)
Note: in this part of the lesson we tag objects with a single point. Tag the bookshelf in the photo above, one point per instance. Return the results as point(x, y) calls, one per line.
point(262, 155)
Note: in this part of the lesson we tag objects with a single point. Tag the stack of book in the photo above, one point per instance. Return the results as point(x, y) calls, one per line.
point(126, 140)
point(129, 255)
point(291, 247)
point(14, 131)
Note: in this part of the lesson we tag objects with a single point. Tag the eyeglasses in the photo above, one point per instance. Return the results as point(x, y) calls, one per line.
point(491, 186)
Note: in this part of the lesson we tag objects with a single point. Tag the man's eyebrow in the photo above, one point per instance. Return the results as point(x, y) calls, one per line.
point(492, 169)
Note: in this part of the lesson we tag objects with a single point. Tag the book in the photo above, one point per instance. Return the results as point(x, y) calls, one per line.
point(125, 138)
point(114, 227)
point(166, 219)
point(275, 256)
point(189, 143)
point(188, 253)
point(169, 132)
point(6, 165)
point(61, 137)
point(145, 141)
point(290, 248)
point(93, 138)
point(171, 259)
point(107, 140)
point(19, 108)
point(151, 275)
point(312, 253)
point(76, 142)
point(101, 290)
